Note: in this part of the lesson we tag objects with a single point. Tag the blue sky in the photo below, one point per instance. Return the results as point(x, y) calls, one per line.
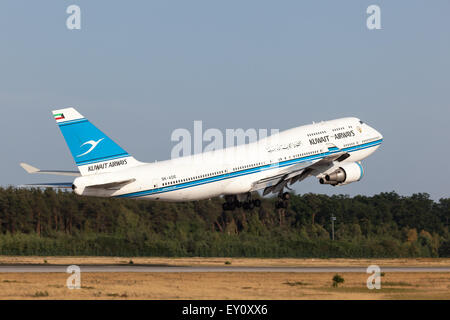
point(141, 70)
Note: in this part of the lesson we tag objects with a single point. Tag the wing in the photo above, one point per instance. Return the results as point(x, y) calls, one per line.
point(295, 173)
point(283, 175)
point(30, 169)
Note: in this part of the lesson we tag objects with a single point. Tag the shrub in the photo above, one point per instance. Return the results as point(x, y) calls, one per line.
point(337, 279)
point(39, 294)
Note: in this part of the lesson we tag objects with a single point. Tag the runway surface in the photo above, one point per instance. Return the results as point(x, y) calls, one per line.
point(159, 268)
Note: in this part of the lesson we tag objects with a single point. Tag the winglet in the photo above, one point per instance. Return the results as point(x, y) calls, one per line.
point(29, 168)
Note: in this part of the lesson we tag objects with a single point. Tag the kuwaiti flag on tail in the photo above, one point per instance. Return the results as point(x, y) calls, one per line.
point(59, 116)
point(66, 115)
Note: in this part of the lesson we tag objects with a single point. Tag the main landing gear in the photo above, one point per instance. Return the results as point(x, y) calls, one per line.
point(246, 202)
point(232, 202)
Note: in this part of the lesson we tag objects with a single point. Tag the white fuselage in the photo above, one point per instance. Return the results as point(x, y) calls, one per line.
point(234, 170)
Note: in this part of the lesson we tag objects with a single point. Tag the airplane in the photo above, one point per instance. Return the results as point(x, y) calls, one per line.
point(331, 151)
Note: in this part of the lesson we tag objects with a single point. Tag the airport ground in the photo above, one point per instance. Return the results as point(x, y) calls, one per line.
point(229, 285)
point(237, 262)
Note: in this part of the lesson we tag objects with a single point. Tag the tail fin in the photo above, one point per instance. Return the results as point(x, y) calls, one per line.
point(93, 151)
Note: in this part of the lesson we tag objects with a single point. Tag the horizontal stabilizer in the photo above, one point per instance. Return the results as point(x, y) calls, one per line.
point(30, 169)
point(112, 185)
point(64, 185)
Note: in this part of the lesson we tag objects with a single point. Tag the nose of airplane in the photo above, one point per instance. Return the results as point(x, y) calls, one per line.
point(377, 133)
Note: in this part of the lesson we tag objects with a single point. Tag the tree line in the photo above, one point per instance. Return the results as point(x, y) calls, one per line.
point(46, 222)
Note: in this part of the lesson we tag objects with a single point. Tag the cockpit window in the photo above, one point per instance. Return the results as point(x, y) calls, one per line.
point(361, 122)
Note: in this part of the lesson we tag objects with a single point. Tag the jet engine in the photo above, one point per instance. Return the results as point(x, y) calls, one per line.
point(347, 173)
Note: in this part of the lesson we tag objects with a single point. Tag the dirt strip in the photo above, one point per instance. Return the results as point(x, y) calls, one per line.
point(223, 286)
point(241, 262)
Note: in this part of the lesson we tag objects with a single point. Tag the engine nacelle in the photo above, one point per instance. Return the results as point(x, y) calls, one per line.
point(347, 173)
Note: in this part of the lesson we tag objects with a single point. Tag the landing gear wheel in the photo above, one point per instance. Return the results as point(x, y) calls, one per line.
point(228, 206)
point(248, 205)
point(230, 199)
point(231, 203)
point(286, 196)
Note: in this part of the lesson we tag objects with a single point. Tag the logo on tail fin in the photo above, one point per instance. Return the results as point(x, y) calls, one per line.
point(93, 145)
